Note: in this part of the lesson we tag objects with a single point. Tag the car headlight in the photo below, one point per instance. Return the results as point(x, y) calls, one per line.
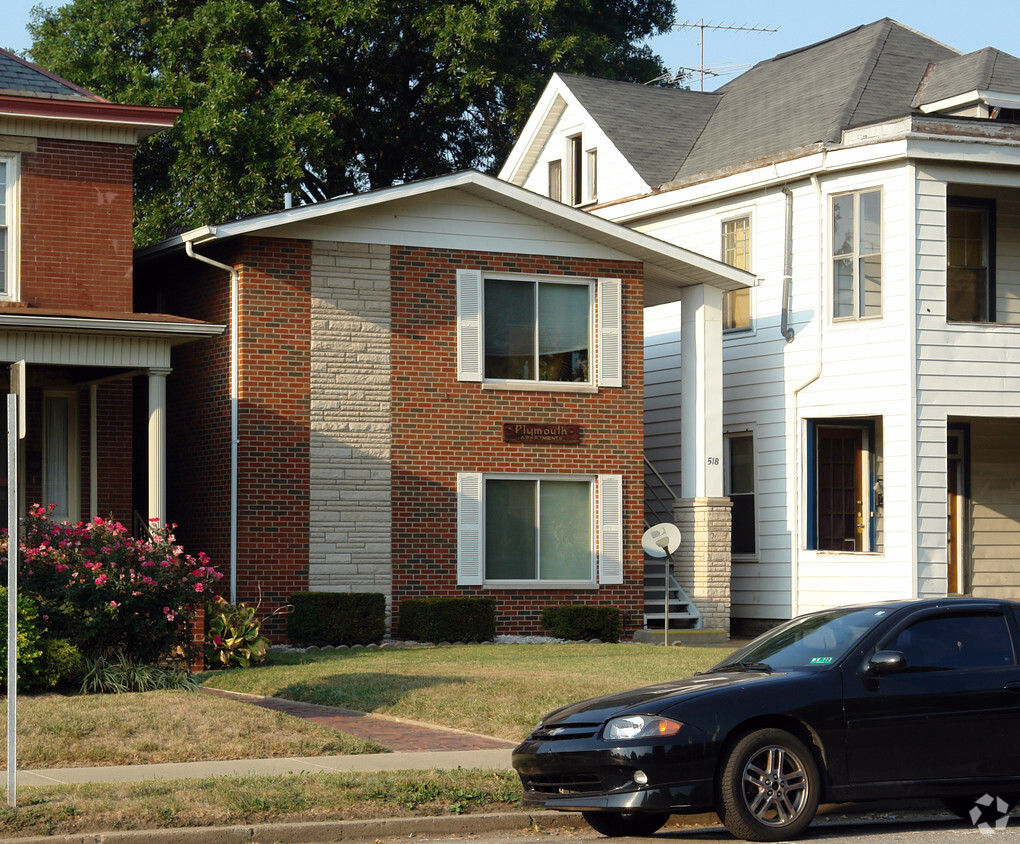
point(641, 726)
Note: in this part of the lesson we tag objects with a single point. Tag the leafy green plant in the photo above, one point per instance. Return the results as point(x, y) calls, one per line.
point(581, 621)
point(233, 636)
point(120, 675)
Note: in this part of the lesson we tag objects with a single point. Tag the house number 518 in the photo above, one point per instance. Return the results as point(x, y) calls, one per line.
point(713, 461)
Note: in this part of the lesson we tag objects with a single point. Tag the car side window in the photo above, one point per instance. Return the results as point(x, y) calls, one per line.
point(953, 641)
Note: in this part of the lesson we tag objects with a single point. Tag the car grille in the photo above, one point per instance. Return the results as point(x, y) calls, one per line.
point(561, 783)
point(565, 732)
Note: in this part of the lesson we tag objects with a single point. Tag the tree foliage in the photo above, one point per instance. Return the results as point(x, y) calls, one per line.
point(324, 97)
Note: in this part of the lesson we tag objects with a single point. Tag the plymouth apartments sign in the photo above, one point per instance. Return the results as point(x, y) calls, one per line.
point(541, 433)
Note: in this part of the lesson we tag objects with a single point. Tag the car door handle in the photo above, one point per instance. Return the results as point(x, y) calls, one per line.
point(1012, 687)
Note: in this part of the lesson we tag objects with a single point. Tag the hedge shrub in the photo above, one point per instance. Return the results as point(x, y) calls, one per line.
point(447, 619)
point(581, 621)
point(43, 663)
point(336, 618)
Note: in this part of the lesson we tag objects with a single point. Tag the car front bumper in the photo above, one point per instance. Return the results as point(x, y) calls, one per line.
point(591, 775)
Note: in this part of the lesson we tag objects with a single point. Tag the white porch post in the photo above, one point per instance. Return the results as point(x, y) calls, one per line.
point(703, 513)
point(157, 444)
point(701, 416)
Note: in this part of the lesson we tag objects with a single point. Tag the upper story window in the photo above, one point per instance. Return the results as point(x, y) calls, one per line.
point(970, 276)
point(556, 180)
point(576, 170)
point(736, 251)
point(857, 255)
point(7, 237)
point(591, 168)
point(539, 332)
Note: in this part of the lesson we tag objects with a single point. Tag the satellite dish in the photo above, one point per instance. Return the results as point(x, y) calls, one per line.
point(661, 539)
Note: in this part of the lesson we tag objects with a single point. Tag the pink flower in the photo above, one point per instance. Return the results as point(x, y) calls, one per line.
point(114, 604)
point(101, 580)
point(199, 587)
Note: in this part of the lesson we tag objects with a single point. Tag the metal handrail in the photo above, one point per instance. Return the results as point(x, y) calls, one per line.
point(664, 510)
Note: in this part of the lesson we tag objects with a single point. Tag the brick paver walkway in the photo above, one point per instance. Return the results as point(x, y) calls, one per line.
point(399, 736)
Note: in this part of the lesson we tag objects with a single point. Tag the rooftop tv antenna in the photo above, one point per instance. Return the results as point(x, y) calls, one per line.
point(702, 26)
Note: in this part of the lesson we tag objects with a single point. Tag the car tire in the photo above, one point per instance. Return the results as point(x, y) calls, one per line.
point(615, 824)
point(768, 788)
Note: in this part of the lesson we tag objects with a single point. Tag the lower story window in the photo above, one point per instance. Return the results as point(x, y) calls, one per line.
point(740, 488)
point(845, 485)
point(539, 530)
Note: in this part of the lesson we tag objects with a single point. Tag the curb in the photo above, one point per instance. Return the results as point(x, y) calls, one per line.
point(312, 832)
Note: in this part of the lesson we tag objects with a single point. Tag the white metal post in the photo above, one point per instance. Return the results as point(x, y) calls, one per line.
point(12, 600)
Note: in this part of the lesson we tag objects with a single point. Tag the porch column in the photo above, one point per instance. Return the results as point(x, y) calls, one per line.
point(703, 513)
point(157, 444)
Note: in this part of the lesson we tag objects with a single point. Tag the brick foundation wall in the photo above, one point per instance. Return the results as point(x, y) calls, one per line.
point(441, 426)
point(76, 223)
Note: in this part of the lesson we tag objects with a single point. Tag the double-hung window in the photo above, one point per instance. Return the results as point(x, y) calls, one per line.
point(7, 237)
point(740, 489)
point(736, 251)
point(552, 332)
point(970, 277)
point(539, 530)
point(857, 255)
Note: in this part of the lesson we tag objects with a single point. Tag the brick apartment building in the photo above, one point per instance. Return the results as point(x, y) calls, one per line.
point(95, 371)
point(432, 389)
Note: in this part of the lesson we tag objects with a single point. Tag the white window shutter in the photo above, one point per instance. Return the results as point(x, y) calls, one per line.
point(610, 339)
point(470, 342)
point(469, 529)
point(610, 529)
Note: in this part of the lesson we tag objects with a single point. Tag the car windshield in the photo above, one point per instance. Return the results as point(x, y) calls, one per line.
point(813, 641)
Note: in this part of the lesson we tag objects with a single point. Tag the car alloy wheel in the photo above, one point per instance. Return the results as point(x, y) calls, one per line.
point(768, 789)
point(615, 824)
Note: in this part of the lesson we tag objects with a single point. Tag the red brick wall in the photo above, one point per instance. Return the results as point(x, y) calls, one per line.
point(442, 426)
point(272, 542)
point(76, 217)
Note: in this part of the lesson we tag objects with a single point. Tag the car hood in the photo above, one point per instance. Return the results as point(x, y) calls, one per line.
point(650, 700)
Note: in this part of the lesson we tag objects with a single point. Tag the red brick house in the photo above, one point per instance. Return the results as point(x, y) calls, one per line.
point(432, 389)
point(95, 369)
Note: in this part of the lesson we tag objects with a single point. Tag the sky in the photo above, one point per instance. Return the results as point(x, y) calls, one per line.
point(966, 27)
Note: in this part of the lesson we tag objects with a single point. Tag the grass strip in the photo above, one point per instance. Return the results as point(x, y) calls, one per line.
point(94, 807)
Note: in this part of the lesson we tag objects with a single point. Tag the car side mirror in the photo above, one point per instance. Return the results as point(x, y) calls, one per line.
point(887, 662)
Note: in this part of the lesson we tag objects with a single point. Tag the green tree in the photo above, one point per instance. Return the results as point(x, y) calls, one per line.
point(324, 97)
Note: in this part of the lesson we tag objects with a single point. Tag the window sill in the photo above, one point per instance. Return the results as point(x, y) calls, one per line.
point(572, 585)
point(540, 387)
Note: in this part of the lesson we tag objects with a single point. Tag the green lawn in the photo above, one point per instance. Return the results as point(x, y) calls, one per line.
point(497, 690)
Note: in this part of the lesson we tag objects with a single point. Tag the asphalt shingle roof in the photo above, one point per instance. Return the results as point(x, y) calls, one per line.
point(654, 128)
point(985, 70)
point(797, 99)
point(21, 79)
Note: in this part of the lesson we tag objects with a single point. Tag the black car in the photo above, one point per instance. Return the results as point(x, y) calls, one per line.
point(892, 700)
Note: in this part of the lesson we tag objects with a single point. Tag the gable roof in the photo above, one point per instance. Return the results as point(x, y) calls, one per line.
point(667, 267)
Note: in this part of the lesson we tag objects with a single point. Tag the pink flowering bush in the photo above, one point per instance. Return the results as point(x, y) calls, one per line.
point(109, 593)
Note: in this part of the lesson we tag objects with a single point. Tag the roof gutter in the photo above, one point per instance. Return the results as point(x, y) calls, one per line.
point(234, 393)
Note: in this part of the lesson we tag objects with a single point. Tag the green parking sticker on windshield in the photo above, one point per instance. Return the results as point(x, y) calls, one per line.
point(821, 660)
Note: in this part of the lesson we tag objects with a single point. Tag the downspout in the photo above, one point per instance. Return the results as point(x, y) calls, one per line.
point(814, 376)
point(234, 392)
point(787, 331)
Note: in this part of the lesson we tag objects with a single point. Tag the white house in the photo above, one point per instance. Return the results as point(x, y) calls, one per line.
point(871, 422)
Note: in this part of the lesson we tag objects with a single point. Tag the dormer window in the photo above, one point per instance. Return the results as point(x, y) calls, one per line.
point(556, 180)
